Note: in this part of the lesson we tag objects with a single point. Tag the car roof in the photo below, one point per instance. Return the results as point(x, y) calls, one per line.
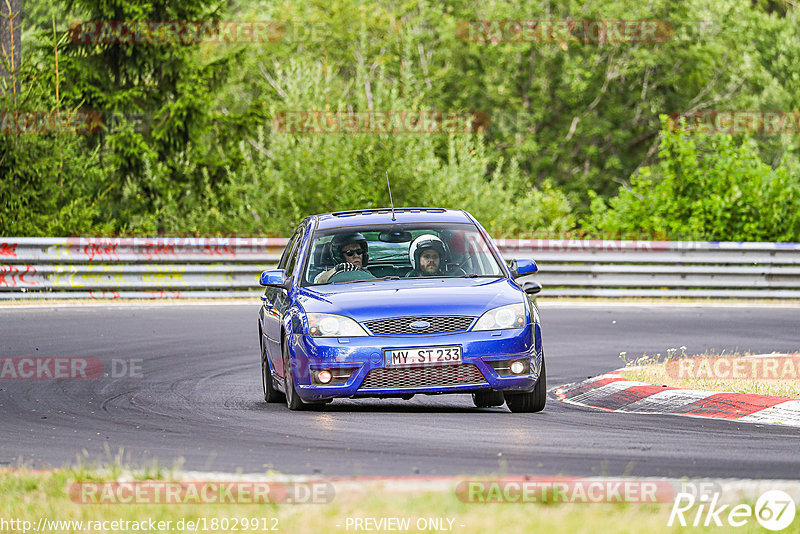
point(339, 219)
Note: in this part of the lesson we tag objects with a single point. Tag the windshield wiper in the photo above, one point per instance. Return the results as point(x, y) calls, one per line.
point(367, 280)
point(473, 275)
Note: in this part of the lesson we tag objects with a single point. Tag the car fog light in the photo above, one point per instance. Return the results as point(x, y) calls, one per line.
point(517, 367)
point(324, 376)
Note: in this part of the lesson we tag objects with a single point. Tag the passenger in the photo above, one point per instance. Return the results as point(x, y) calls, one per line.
point(350, 250)
point(427, 254)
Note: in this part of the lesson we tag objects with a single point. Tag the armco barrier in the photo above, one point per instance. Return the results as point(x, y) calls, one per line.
point(602, 268)
point(181, 267)
point(103, 268)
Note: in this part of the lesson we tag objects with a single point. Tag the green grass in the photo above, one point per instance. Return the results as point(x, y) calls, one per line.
point(30, 495)
point(652, 369)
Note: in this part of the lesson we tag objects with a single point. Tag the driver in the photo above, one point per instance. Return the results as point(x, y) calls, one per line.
point(427, 254)
point(350, 250)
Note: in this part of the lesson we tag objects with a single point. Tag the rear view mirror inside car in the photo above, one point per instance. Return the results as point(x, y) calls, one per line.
point(397, 236)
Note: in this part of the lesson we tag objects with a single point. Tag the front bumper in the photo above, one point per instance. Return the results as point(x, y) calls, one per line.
point(360, 363)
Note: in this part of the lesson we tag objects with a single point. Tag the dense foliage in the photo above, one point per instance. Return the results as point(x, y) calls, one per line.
point(704, 186)
point(572, 141)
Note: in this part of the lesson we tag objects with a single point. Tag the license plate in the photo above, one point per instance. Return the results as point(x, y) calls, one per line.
point(422, 356)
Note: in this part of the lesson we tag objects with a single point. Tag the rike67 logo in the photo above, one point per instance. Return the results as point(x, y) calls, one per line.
point(774, 510)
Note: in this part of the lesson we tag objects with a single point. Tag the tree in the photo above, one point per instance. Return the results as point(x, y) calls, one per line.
point(704, 187)
point(10, 43)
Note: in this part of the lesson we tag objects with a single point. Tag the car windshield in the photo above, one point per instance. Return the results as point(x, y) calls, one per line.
point(399, 251)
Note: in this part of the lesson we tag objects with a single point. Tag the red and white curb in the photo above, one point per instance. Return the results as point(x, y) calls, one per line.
point(612, 392)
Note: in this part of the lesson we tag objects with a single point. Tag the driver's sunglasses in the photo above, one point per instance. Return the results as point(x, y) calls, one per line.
point(353, 252)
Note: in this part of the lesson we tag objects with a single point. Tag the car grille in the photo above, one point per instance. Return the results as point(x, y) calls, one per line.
point(417, 377)
point(401, 326)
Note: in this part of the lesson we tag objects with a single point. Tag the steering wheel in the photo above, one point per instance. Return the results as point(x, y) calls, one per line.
point(463, 262)
point(455, 270)
point(351, 276)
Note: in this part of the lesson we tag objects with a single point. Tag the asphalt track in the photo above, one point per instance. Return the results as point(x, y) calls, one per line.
point(199, 399)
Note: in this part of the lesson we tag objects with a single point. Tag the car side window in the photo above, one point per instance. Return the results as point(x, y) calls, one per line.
point(295, 252)
point(287, 252)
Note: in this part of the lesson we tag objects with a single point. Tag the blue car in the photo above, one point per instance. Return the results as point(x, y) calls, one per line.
point(393, 303)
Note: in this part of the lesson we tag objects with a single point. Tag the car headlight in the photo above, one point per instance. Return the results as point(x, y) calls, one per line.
point(330, 325)
point(511, 316)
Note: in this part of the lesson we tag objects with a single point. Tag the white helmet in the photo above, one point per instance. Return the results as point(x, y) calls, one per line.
point(422, 243)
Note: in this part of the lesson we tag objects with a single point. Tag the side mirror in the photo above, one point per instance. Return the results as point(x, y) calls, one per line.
point(522, 267)
point(531, 288)
point(274, 278)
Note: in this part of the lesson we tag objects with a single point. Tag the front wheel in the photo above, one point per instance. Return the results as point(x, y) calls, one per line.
point(270, 393)
point(532, 401)
point(293, 400)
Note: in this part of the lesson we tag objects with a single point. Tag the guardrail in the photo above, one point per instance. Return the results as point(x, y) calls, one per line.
point(229, 267)
point(698, 269)
point(84, 267)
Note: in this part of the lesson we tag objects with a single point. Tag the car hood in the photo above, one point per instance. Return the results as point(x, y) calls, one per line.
point(366, 301)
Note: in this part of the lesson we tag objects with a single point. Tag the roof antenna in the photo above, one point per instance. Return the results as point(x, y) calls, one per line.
point(390, 195)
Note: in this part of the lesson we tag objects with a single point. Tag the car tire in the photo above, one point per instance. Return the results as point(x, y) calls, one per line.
point(270, 393)
point(293, 400)
point(532, 401)
point(487, 398)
